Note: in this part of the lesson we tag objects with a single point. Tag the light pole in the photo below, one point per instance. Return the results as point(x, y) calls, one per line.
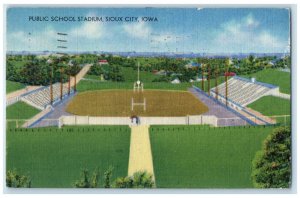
point(216, 82)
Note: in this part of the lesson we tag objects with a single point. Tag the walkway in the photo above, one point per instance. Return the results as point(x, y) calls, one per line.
point(58, 110)
point(140, 157)
point(226, 117)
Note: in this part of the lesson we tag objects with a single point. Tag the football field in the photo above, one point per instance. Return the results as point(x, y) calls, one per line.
point(118, 103)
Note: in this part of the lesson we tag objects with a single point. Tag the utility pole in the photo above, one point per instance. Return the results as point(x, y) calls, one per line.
point(69, 82)
point(75, 83)
point(216, 82)
point(226, 84)
point(61, 83)
point(208, 79)
point(51, 86)
point(202, 76)
point(62, 44)
point(138, 71)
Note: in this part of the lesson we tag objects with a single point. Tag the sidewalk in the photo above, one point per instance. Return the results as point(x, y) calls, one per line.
point(140, 157)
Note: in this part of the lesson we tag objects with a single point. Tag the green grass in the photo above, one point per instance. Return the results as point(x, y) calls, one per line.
point(275, 77)
point(273, 106)
point(270, 106)
point(93, 77)
point(12, 86)
point(19, 111)
point(203, 157)
point(85, 85)
point(54, 157)
point(130, 75)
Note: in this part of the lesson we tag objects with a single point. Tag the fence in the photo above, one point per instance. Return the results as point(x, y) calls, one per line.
point(283, 120)
point(87, 120)
point(27, 123)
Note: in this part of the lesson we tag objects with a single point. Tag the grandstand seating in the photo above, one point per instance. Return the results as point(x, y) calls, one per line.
point(41, 97)
point(242, 91)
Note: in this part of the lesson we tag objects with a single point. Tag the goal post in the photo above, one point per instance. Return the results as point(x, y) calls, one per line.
point(138, 104)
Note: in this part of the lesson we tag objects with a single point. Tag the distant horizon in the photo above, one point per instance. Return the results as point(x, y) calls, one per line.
point(151, 54)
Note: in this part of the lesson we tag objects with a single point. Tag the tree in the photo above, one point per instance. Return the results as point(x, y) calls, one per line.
point(137, 180)
point(86, 182)
point(107, 177)
point(272, 165)
point(251, 60)
point(15, 180)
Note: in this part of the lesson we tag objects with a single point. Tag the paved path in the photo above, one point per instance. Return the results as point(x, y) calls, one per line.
point(226, 117)
point(140, 157)
point(52, 118)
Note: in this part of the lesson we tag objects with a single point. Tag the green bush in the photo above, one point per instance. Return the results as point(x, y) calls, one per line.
point(137, 180)
point(272, 165)
point(15, 180)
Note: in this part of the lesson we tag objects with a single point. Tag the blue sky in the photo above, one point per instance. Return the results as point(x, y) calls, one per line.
point(208, 30)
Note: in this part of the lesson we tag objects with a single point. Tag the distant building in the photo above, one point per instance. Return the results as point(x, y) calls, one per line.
point(161, 72)
point(103, 62)
point(49, 61)
point(192, 65)
point(272, 63)
point(154, 71)
point(175, 81)
point(70, 63)
point(198, 79)
point(229, 74)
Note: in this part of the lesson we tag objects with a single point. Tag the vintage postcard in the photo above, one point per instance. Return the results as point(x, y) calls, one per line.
point(148, 97)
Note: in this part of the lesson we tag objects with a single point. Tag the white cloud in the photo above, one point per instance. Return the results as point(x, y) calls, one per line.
point(138, 30)
point(32, 41)
point(89, 30)
point(143, 31)
point(246, 35)
point(164, 37)
point(250, 22)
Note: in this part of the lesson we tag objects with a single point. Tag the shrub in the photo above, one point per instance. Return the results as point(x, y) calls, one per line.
point(15, 180)
point(272, 165)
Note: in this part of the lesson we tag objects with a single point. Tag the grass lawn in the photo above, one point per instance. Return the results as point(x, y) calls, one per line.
point(130, 75)
point(12, 86)
point(275, 77)
point(118, 103)
point(54, 157)
point(92, 77)
point(273, 106)
point(270, 105)
point(85, 85)
point(20, 110)
point(203, 157)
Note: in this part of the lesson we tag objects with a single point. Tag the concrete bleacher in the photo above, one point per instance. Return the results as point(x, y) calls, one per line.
point(243, 91)
point(41, 97)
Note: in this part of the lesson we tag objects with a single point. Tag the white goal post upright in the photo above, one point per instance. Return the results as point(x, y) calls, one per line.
point(138, 85)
